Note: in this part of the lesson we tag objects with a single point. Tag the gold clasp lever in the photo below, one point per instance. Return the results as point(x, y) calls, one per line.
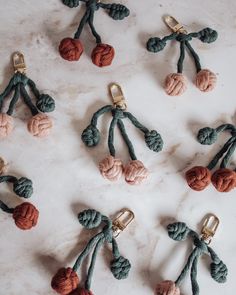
point(19, 62)
point(174, 25)
point(118, 96)
point(120, 223)
point(210, 226)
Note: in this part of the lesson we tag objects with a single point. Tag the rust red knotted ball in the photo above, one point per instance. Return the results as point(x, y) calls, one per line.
point(71, 49)
point(103, 55)
point(25, 216)
point(224, 180)
point(198, 178)
point(65, 281)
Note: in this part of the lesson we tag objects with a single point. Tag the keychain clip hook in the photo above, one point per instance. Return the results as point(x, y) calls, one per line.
point(124, 218)
point(210, 226)
point(19, 62)
point(117, 96)
point(174, 25)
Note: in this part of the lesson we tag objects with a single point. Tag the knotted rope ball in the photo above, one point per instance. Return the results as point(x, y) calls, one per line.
point(167, 288)
point(6, 125)
point(135, 172)
point(66, 280)
point(25, 216)
point(103, 54)
point(40, 125)
point(111, 168)
point(223, 179)
point(176, 83)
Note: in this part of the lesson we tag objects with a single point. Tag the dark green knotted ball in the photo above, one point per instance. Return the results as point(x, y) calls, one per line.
point(155, 44)
point(20, 78)
point(45, 103)
point(219, 272)
point(178, 231)
point(154, 141)
point(207, 136)
point(90, 218)
point(120, 268)
point(91, 136)
point(208, 35)
point(118, 11)
point(23, 187)
point(71, 3)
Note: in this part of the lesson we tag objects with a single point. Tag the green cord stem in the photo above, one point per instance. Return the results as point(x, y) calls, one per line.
point(194, 55)
point(14, 100)
point(5, 208)
point(135, 122)
point(115, 249)
point(111, 137)
point(129, 144)
point(226, 127)
point(82, 24)
point(34, 89)
point(182, 56)
point(6, 92)
point(94, 32)
point(195, 286)
point(229, 154)
point(28, 101)
point(99, 113)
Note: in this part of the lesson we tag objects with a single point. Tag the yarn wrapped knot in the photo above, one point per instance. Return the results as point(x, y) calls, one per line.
point(198, 178)
point(207, 136)
point(6, 125)
point(135, 172)
point(183, 37)
point(84, 292)
point(45, 103)
point(167, 288)
point(118, 11)
point(111, 168)
point(175, 84)
point(206, 80)
point(154, 141)
point(91, 136)
point(20, 78)
point(40, 125)
point(178, 231)
point(90, 218)
point(65, 281)
point(219, 272)
point(23, 187)
point(224, 180)
point(103, 55)
point(71, 3)
point(71, 49)
point(208, 35)
point(120, 268)
point(155, 44)
point(25, 216)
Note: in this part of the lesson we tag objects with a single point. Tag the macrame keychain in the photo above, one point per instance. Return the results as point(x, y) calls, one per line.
point(112, 168)
point(25, 215)
point(71, 48)
point(40, 124)
point(176, 83)
point(223, 179)
point(66, 280)
point(179, 232)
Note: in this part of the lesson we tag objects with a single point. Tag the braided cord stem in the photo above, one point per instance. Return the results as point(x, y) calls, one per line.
point(135, 122)
point(129, 144)
point(229, 155)
point(33, 87)
point(195, 286)
point(14, 100)
point(92, 264)
point(83, 21)
point(94, 32)
point(220, 154)
point(194, 55)
point(99, 113)
point(28, 101)
point(182, 56)
point(111, 137)
point(87, 250)
point(5, 208)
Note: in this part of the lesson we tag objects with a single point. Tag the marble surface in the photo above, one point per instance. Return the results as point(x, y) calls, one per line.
point(65, 175)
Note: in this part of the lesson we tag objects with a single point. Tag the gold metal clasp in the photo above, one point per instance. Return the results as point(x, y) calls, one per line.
point(118, 96)
point(210, 226)
point(19, 62)
point(124, 218)
point(174, 25)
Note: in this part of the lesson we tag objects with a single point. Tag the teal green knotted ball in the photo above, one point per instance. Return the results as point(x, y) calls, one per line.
point(208, 35)
point(178, 231)
point(155, 44)
point(120, 268)
point(118, 11)
point(154, 141)
point(91, 136)
point(71, 3)
point(45, 103)
point(90, 218)
point(219, 272)
point(207, 136)
point(23, 187)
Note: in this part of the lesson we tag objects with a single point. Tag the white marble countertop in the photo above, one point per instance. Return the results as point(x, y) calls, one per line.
point(65, 175)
